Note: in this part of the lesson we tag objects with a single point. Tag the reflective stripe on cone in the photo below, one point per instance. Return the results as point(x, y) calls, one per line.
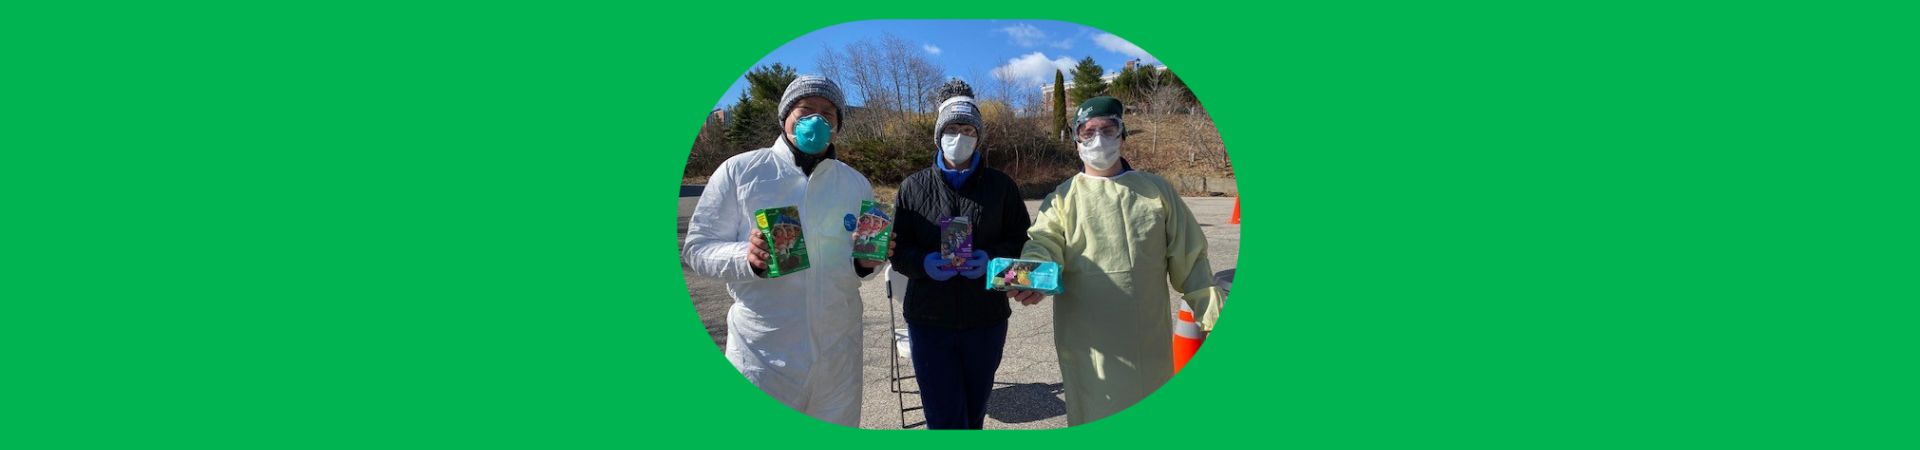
point(1186, 337)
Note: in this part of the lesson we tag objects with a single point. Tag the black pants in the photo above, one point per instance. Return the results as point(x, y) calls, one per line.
point(955, 370)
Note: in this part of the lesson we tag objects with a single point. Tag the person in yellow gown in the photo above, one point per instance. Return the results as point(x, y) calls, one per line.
point(1118, 235)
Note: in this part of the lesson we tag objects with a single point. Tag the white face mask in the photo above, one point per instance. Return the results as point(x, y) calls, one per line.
point(956, 148)
point(1100, 152)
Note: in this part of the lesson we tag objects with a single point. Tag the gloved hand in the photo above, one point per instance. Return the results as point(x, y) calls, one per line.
point(933, 263)
point(977, 265)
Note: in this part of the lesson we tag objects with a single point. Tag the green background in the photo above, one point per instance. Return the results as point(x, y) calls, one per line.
point(263, 225)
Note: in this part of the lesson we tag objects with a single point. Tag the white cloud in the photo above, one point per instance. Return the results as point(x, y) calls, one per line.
point(1033, 68)
point(1024, 35)
point(931, 49)
point(1117, 45)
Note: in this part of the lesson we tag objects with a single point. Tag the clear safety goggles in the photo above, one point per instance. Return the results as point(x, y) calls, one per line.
point(1088, 132)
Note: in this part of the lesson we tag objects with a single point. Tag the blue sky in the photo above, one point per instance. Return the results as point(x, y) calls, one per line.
point(1026, 51)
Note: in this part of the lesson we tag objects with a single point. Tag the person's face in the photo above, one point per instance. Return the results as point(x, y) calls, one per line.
point(1104, 126)
point(960, 129)
point(810, 106)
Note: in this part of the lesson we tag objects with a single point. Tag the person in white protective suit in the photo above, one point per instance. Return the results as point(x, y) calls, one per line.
point(797, 336)
point(1120, 236)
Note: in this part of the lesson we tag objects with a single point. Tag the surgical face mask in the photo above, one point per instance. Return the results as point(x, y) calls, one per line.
point(957, 148)
point(1100, 152)
point(812, 133)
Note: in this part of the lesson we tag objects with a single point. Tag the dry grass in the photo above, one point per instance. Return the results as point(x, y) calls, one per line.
point(885, 193)
point(1166, 144)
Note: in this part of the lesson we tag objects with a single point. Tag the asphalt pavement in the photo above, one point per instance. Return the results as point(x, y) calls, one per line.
point(1027, 392)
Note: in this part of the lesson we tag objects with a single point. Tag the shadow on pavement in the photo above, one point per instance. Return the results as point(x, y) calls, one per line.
point(1019, 403)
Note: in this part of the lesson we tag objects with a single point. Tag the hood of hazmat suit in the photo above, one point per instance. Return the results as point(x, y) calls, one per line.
point(1119, 242)
point(797, 337)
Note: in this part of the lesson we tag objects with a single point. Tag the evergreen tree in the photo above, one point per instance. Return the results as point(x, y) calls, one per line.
point(1086, 81)
point(745, 121)
point(753, 122)
point(1060, 104)
point(1126, 85)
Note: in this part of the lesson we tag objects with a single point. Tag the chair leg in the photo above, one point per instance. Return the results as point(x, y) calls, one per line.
point(893, 351)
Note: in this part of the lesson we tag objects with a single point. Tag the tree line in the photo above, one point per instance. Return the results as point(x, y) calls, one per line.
point(889, 135)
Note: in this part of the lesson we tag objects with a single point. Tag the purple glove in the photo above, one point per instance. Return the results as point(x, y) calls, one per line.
point(977, 265)
point(933, 263)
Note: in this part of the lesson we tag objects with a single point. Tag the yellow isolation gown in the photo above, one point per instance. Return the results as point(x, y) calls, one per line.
point(1116, 239)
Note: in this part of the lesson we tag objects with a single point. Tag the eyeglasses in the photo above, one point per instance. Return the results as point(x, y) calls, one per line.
point(964, 131)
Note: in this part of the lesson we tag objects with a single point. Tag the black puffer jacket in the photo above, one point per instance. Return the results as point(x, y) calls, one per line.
point(992, 201)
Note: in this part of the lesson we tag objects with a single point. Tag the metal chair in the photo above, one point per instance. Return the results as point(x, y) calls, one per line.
point(899, 339)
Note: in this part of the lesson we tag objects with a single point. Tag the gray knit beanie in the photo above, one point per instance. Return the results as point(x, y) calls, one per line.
point(812, 86)
point(957, 106)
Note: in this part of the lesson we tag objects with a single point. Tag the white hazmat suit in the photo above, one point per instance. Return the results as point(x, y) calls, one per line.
point(797, 337)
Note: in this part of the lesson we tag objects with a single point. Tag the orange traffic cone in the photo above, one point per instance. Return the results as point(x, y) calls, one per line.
point(1186, 337)
point(1236, 211)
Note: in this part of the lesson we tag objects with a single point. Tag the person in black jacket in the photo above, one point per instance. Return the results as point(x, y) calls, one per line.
point(957, 326)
